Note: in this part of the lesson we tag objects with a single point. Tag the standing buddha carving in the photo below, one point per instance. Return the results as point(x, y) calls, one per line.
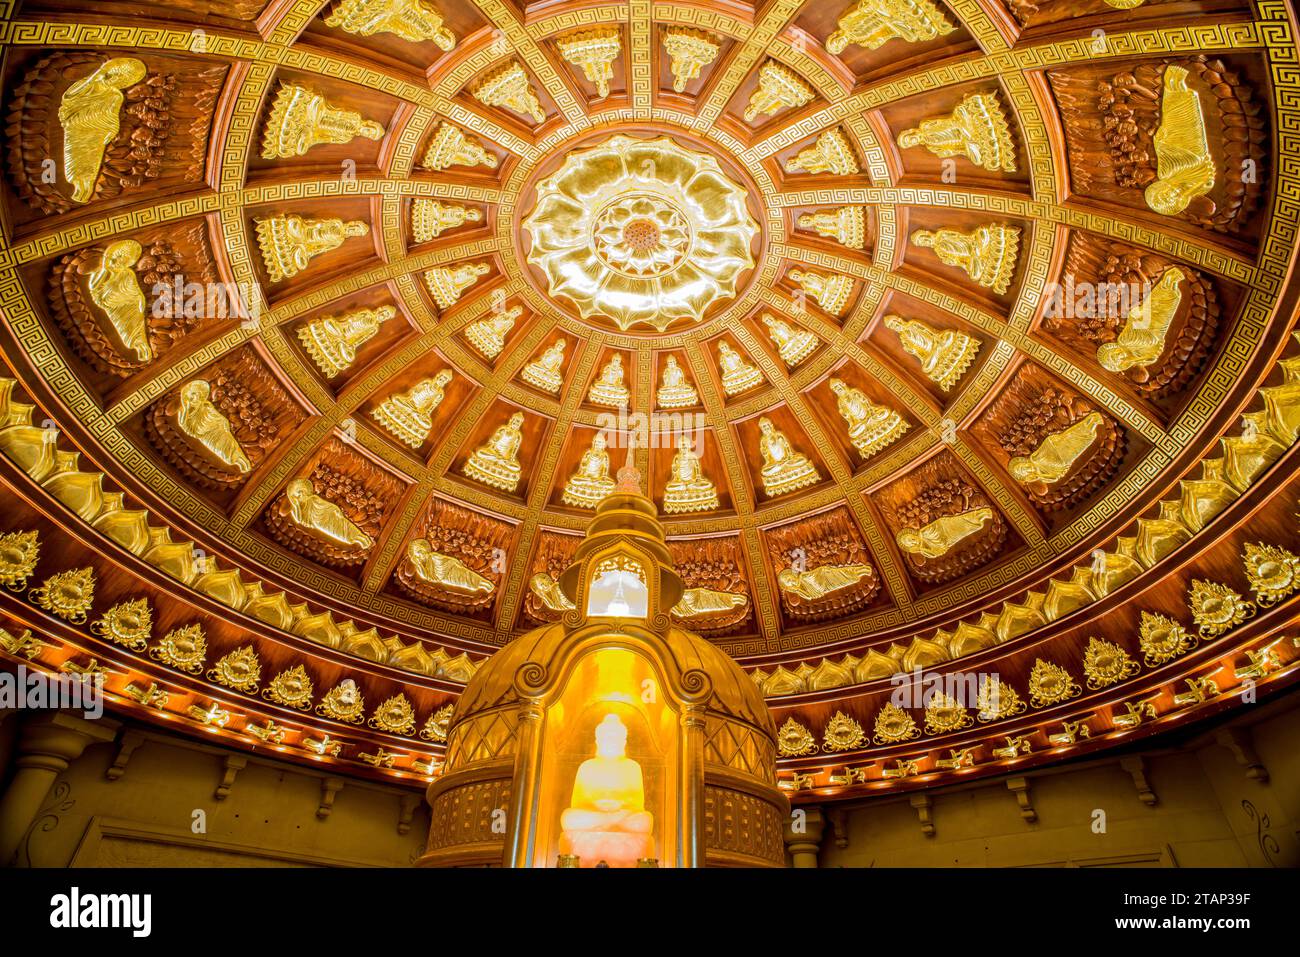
point(496, 462)
point(688, 490)
point(1184, 167)
point(609, 388)
point(590, 483)
point(115, 288)
point(91, 116)
point(872, 23)
point(871, 426)
point(301, 119)
point(544, 371)
point(319, 515)
point(737, 375)
point(1141, 341)
point(289, 243)
point(488, 336)
point(675, 392)
point(409, 415)
point(332, 342)
point(413, 20)
point(203, 422)
point(944, 356)
point(986, 254)
point(784, 469)
point(977, 129)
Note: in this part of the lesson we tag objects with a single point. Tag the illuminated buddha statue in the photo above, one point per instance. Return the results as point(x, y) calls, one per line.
point(816, 583)
point(317, 514)
point(115, 288)
point(548, 590)
point(1184, 166)
point(496, 462)
point(675, 391)
point(737, 374)
point(1057, 453)
point(91, 116)
point(831, 291)
point(333, 341)
point(488, 336)
point(938, 538)
point(793, 346)
point(872, 23)
point(289, 243)
point(1142, 340)
point(412, 20)
point(871, 426)
point(589, 485)
point(986, 254)
point(544, 371)
point(688, 490)
point(699, 602)
point(784, 469)
point(409, 415)
point(944, 356)
point(445, 570)
point(606, 819)
point(203, 422)
point(301, 119)
point(977, 129)
point(608, 389)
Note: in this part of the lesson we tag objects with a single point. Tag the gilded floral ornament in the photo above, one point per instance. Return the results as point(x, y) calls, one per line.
point(241, 670)
point(435, 728)
point(127, 623)
point(689, 52)
point(19, 552)
point(1162, 639)
point(1051, 684)
point(69, 594)
point(344, 702)
point(893, 725)
point(182, 648)
point(945, 713)
point(395, 716)
point(291, 688)
point(842, 733)
point(794, 740)
point(1105, 663)
point(1273, 572)
point(997, 700)
point(508, 87)
point(1217, 609)
point(642, 232)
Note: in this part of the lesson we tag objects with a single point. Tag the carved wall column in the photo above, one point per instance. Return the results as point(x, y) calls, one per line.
point(804, 844)
point(47, 744)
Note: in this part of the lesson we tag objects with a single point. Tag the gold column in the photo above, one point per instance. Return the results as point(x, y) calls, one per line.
point(803, 847)
point(47, 744)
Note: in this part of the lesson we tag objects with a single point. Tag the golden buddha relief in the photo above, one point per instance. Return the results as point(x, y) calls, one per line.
point(115, 288)
point(707, 602)
point(333, 341)
point(987, 254)
point(688, 489)
point(414, 20)
point(301, 119)
point(488, 336)
point(409, 415)
point(937, 538)
point(198, 418)
point(977, 129)
point(606, 820)
point(830, 154)
point(675, 390)
point(508, 87)
point(846, 225)
point(689, 51)
point(737, 375)
point(610, 388)
point(590, 483)
point(548, 590)
point(446, 571)
point(871, 426)
point(90, 115)
point(594, 51)
point(1185, 169)
point(431, 218)
point(814, 584)
point(779, 88)
point(1141, 341)
point(544, 371)
point(451, 146)
point(944, 356)
point(784, 470)
point(317, 515)
point(873, 23)
point(830, 291)
point(446, 284)
point(289, 243)
point(793, 345)
point(1052, 460)
point(496, 462)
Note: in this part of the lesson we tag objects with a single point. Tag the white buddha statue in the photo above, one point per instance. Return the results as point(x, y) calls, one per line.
point(606, 819)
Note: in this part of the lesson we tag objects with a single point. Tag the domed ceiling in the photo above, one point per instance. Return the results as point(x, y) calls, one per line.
point(940, 333)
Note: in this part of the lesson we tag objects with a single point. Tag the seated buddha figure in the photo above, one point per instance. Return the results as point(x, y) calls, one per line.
point(333, 341)
point(871, 426)
point(488, 336)
point(687, 489)
point(944, 356)
point(91, 116)
point(737, 374)
point(872, 23)
point(976, 129)
point(1057, 453)
point(317, 514)
point(784, 469)
point(936, 539)
point(1184, 167)
point(986, 254)
point(408, 415)
point(496, 461)
point(203, 422)
point(792, 345)
point(1142, 340)
point(413, 20)
point(590, 484)
point(675, 392)
point(445, 570)
point(289, 243)
point(815, 583)
point(115, 288)
point(606, 819)
point(544, 371)
point(301, 118)
point(609, 388)
point(830, 290)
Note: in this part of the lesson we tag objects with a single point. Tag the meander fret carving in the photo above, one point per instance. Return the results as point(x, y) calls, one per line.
point(712, 564)
point(116, 303)
point(944, 525)
point(554, 554)
point(476, 541)
point(109, 125)
point(465, 815)
point(256, 407)
point(742, 824)
point(822, 567)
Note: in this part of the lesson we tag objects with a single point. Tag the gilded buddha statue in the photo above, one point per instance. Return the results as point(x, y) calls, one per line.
point(737, 375)
point(203, 422)
point(430, 218)
point(319, 515)
point(446, 284)
point(872, 23)
point(830, 154)
point(409, 415)
point(91, 116)
point(703, 602)
point(987, 254)
point(689, 51)
point(846, 225)
point(817, 583)
point(496, 462)
point(488, 336)
point(609, 389)
point(451, 147)
point(115, 288)
point(1057, 453)
point(289, 243)
point(944, 356)
point(333, 341)
point(301, 119)
point(412, 20)
point(1142, 340)
point(977, 129)
point(591, 483)
point(688, 490)
point(548, 590)
point(937, 538)
point(450, 572)
point(784, 469)
point(1184, 167)
point(675, 392)
point(831, 292)
point(544, 371)
point(792, 345)
point(871, 426)
point(606, 820)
